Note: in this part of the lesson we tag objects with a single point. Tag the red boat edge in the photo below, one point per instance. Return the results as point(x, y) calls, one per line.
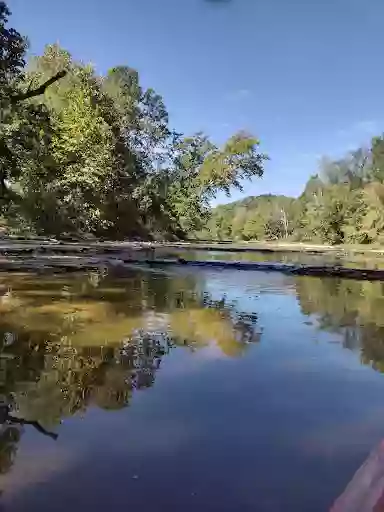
point(365, 492)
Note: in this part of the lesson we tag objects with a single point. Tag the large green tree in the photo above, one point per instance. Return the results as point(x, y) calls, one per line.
point(84, 153)
point(24, 125)
point(342, 203)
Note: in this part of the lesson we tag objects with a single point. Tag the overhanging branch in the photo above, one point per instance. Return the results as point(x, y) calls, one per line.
point(39, 90)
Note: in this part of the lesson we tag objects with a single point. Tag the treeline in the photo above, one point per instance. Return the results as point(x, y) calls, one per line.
point(342, 203)
point(82, 153)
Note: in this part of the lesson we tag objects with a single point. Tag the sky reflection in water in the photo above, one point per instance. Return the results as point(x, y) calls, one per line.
point(209, 390)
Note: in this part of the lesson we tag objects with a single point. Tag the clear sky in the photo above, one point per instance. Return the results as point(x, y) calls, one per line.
point(305, 76)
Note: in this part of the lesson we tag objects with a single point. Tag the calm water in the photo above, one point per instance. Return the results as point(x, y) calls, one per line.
point(370, 261)
point(187, 390)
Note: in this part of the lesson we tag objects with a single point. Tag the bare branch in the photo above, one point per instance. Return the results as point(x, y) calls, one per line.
point(39, 90)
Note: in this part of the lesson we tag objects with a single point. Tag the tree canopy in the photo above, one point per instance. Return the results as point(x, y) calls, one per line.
point(342, 203)
point(82, 153)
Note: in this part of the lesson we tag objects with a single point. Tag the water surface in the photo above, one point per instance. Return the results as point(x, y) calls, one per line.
point(374, 261)
point(207, 390)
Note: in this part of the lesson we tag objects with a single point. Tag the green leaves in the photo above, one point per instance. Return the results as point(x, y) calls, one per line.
point(343, 203)
point(265, 217)
point(201, 169)
point(378, 158)
point(12, 52)
point(83, 153)
point(237, 160)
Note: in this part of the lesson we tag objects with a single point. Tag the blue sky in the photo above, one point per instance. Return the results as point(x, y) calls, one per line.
point(305, 76)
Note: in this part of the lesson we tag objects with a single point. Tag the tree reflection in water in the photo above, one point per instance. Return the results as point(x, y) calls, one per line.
point(91, 340)
point(353, 309)
point(67, 344)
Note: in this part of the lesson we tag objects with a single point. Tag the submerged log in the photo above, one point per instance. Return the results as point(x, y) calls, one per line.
point(285, 268)
point(262, 248)
point(119, 263)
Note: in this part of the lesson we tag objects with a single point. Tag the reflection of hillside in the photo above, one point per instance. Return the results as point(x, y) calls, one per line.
point(351, 308)
point(67, 344)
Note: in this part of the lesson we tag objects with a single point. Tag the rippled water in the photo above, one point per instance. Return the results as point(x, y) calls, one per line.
point(187, 390)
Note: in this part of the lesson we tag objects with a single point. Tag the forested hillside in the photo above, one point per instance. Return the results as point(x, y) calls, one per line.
point(342, 203)
point(82, 153)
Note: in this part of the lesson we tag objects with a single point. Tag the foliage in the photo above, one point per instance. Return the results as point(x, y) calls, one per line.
point(263, 217)
point(343, 203)
point(83, 153)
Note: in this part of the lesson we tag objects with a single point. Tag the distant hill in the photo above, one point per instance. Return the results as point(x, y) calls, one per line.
point(256, 201)
point(255, 217)
point(343, 203)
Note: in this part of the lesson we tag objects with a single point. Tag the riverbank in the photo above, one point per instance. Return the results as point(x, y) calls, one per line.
point(52, 256)
point(272, 247)
point(44, 245)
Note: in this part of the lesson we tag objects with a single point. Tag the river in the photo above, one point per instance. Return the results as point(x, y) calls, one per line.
point(187, 389)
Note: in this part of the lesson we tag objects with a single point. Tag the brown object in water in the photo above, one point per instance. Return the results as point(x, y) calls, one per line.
point(365, 492)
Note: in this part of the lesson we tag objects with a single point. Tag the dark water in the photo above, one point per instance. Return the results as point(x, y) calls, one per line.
point(187, 390)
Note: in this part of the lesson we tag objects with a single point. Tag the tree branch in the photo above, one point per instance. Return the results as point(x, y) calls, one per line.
point(39, 90)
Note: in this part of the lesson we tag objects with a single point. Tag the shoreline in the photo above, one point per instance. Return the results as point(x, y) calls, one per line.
point(287, 247)
point(97, 246)
point(47, 256)
point(119, 266)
